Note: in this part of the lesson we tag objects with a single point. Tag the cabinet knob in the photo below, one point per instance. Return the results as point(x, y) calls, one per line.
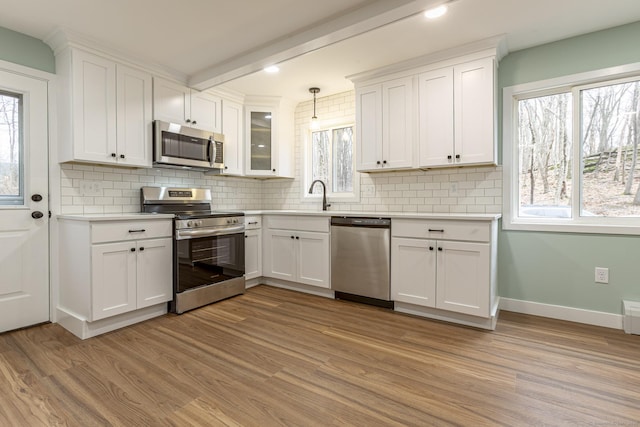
point(133, 249)
point(292, 237)
point(378, 162)
point(194, 122)
point(122, 156)
point(458, 156)
point(245, 236)
point(297, 238)
point(36, 214)
point(384, 162)
point(430, 248)
point(440, 249)
point(188, 120)
point(226, 167)
point(141, 248)
point(113, 155)
point(274, 170)
point(449, 157)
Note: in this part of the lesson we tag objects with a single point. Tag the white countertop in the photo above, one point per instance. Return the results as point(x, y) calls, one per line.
point(409, 215)
point(115, 217)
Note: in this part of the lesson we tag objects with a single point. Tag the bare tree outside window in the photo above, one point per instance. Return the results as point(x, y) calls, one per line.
point(10, 147)
point(332, 159)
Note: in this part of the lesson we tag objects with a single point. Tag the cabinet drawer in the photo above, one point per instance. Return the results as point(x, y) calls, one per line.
point(298, 223)
point(129, 230)
point(252, 222)
point(473, 231)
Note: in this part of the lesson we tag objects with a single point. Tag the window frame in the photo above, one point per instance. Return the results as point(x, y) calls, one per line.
point(574, 84)
point(354, 195)
point(19, 200)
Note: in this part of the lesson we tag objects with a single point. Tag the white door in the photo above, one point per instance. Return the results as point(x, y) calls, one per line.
point(413, 271)
point(435, 117)
point(369, 128)
point(279, 255)
point(113, 279)
point(24, 240)
point(397, 123)
point(154, 278)
point(252, 250)
point(206, 113)
point(313, 258)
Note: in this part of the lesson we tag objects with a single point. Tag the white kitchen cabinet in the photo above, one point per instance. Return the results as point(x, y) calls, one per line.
point(385, 125)
point(296, 249)
point(252, 247)
point(111, 269)
point(456, 115)
point(105, 110)
point(179, 104)
point(233, 130)
point(456, 275)
point(269, 135)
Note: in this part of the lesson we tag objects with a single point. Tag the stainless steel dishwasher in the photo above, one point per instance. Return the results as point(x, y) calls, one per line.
point(360, 259)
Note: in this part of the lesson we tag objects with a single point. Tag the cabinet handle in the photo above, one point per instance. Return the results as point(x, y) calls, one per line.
point(122, 156)
point(292, 237)
point(458, 156)
point(142, 230)
point(378, 162)
point(384, 162)
point(252, 222)
point(449, 157)
point(133, 249)
point(297, 238)
point(430, 248)
point(141, 248)
point(440, 249)
point(194, 122)
point(188, 120)
point(113, 155)
point(436, 230)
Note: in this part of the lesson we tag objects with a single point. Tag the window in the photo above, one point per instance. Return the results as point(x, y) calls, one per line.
point(11, 183)
point(329, 158)
point(571, 154)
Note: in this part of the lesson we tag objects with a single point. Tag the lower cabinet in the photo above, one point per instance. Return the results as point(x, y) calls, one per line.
point(111, 268)
point(452, 275)
point(126, 276)
point(298, 251)
point(252, 248)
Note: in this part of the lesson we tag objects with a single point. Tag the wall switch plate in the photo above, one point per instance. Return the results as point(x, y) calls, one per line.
point(453, 189)
point(602, 275)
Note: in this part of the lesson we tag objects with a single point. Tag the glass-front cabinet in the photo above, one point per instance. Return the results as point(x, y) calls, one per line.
point(269, 139)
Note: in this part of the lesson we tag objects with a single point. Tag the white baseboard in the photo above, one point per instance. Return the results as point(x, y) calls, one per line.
point(589, 317)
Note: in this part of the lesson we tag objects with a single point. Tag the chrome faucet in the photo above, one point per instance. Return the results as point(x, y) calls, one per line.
point(324, 193)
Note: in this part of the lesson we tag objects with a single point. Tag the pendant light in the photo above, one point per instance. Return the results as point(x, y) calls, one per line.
point(314, 119)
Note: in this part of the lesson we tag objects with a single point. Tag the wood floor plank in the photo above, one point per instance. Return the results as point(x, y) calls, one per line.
point(274, 357)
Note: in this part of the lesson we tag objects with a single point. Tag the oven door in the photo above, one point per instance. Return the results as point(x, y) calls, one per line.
point(203, 261)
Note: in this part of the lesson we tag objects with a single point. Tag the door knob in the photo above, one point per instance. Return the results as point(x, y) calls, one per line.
point(36, 214)
point(36, 198)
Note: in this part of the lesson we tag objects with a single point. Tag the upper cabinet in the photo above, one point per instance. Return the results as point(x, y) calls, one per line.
point(439, 114)
point(269, 138)
point(457, 114)
point(384, 122)
point(233, 130)
point(175, 103)
point(104, 109)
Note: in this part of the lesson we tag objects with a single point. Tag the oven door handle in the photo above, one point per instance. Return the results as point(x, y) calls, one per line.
point(209, 231)
point(211, 152)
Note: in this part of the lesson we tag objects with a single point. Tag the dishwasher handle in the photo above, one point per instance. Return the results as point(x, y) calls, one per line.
point(343, 221)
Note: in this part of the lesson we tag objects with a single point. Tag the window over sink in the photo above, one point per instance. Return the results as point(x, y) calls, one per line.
point(329, 156)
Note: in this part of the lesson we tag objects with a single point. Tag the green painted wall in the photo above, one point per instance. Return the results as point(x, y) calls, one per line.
point(558, 268)
point(25, 50)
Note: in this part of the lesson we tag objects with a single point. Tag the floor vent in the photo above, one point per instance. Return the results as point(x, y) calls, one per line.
point(631, 317)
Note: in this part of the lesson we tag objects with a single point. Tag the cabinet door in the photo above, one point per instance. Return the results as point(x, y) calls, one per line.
point(94, 108)
point(260, 124)
point(171, 102)
point(313, 258)
point(134, 103)
point(206, 111)
point(369, 128)
point(435, 118)
point(154, 283)
point(463, 277)
point(413, 271)
point(279, 255)
point(474, 112)
point(113, 279)
point(233, 131)
point(397, 123)
point(252, 254)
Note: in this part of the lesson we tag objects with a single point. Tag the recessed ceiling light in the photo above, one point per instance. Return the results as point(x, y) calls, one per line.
point(272, 69)
point(436, 12)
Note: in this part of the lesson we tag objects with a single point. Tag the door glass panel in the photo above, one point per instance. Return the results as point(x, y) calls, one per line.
point(261, 140)
point(11, 159)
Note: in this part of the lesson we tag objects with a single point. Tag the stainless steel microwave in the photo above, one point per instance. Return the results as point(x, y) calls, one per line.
point(184, 147)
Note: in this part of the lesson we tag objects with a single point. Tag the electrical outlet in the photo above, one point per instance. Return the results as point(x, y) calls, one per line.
point(91, 188)
point(453, 189)
point(602, 275)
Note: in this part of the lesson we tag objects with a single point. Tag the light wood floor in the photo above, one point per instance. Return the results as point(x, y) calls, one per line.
point(276, 357)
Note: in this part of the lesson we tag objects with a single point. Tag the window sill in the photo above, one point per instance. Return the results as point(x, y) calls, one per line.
point(631, 227)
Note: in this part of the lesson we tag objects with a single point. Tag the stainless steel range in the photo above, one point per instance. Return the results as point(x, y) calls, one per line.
point(208, 246)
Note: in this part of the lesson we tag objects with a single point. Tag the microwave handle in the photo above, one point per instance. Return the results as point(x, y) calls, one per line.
point(211, 152)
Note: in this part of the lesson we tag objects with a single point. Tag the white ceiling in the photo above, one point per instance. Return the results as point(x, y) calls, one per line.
point(199, 39)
